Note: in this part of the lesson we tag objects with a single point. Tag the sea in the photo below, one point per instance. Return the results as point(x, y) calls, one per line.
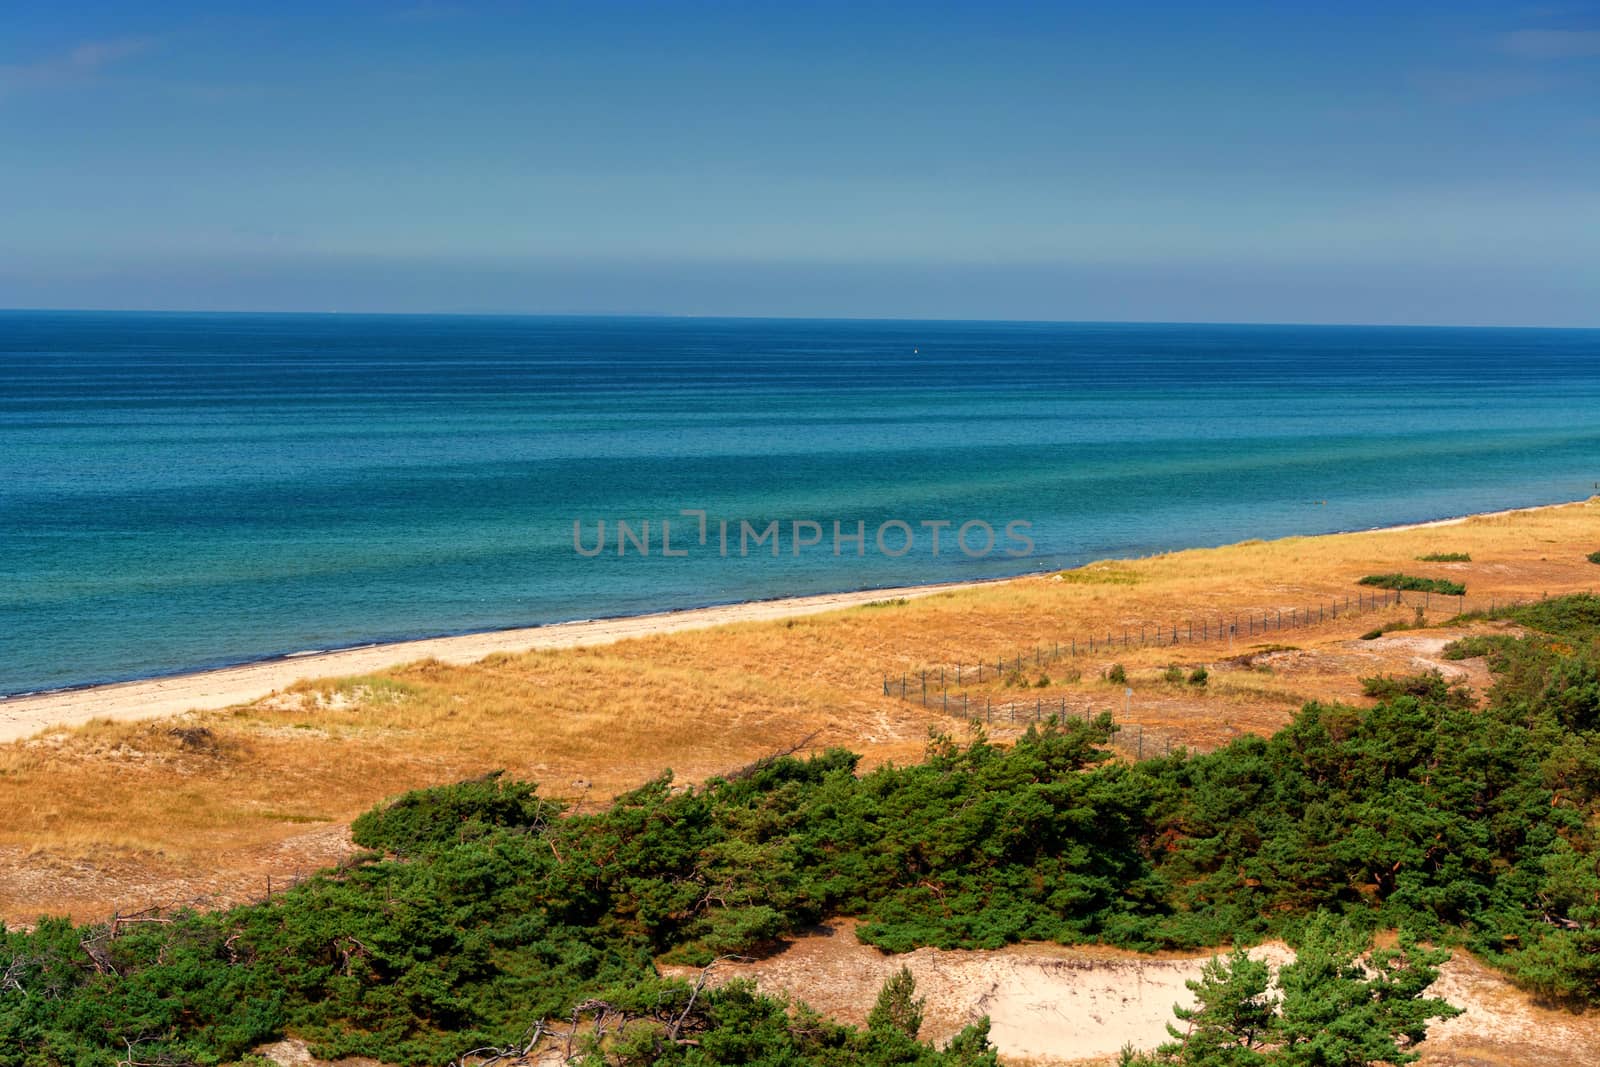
point(183, 491)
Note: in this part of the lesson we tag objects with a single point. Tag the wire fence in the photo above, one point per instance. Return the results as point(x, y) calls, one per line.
point(1134, 738)
point(1198, 629)
point(947, 688)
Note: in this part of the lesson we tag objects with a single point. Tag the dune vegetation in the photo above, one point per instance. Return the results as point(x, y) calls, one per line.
point(484, 915)
point(210, 806)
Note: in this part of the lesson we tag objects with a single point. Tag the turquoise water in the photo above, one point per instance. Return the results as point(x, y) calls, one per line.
point(181, 491)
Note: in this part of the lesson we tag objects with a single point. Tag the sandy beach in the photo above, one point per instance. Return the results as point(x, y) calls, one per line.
point(152, 698)
point(209, 690)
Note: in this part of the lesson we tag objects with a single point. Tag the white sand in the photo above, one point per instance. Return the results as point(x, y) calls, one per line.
point(1045, 1003)
point(151, 698)
point(1057, 1005)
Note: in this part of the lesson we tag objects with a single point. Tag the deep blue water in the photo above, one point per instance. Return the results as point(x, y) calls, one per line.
point(179, 491)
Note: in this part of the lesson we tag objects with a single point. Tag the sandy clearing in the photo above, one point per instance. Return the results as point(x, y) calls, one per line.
point(24, 716)
point(1059, 1005)
point(1046, 1003)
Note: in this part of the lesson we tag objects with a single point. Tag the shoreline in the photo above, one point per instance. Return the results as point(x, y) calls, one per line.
point(209, 689)
point(23, 716)
point(276, 658)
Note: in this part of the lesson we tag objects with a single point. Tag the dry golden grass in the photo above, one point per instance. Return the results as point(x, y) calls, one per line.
point(132, 813)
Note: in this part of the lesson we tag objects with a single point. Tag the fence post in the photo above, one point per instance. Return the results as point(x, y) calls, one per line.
point(886, 685)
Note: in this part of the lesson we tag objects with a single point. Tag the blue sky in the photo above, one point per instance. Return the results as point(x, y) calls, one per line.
point(1426, 162)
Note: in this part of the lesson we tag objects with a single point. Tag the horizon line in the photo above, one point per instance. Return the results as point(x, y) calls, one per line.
point(669, 315)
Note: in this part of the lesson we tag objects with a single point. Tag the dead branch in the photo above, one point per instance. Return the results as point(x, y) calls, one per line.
point(694, 994)
point(12, 978)
point(98, 955)
point(351, 950)
point(491, 1055)
point(750, 770)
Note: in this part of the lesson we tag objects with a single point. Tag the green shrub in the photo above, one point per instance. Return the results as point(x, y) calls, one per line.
point(1117, 675)
point(1471, 826)
point(426, 820)
point(1199, 676)
point(1574, 617)
point(1411, 583)
point(1431, 686)
point(1477, 645)
point(1594, 557)
point(1391, 627)
point(1173, 675)
point(1446, 557)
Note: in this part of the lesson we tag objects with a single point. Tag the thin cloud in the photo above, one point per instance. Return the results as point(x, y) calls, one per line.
point(1478, 87)
point(1552, 44)
point(73, 67)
